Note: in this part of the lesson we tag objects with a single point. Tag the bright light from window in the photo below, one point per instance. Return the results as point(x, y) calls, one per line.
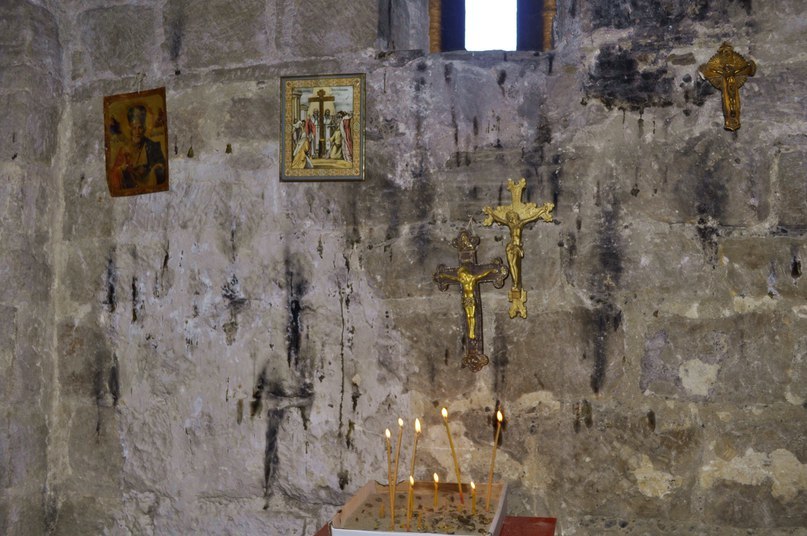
point(490, 24)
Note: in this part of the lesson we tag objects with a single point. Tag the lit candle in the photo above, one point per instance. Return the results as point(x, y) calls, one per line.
point(389, 477)
point(473, 497)
point(499, 418)
point(415, 448)
point(436, 481)
point(410, 501)
point(453, 454)
point(395, 475)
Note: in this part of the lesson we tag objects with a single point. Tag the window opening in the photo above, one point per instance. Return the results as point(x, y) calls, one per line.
point(490, 24)
point(532, 29)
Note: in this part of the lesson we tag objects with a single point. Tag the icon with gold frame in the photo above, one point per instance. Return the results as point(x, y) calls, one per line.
point(136, 142)
point(322, 128)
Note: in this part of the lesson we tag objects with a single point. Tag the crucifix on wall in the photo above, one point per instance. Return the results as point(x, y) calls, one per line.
point(321, 99)
point(727, 71)
point(468, 275)
point(515, 216)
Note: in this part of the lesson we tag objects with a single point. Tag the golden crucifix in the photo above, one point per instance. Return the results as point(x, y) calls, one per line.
point(515, 216)
point(468, 275)
point(728, 71)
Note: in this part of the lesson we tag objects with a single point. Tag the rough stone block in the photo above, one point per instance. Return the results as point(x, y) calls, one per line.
point(94, 450)
point(741, 505)
point(22, 514)
point(88, 209)
point(435, 347)
point(740, 359)
point(248, 118)
point(217, 33)
point(762, 267)
point(217, 516)
point(30, 35)
point(25, 370)
point(30, 279)
point(22, 447)
point(42, 86)
point(87, 149)
point(403, 25)
point(119, 40)
point(32, 124)
point(613, 452)
point(763, 117)
point(793, 190)
point(318, 28)
point(527, 355)
point(86, 514)
point(8, 342)
point(87, 366)
point(89, 275)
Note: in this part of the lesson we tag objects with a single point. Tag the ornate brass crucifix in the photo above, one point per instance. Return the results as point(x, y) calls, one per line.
point(728, 71)
point(468, 275)
point(515, 216)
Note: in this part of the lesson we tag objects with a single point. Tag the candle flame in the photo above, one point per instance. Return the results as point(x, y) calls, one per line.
point(417, 426)
point(411, 480)
point(400, 422)
point(436, 478)
point(445, 413)
point(499, 416)
point(386, 433)
point(473, 486)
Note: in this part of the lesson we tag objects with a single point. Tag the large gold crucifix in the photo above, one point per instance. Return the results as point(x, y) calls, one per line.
point(515, 216)
point(468, 275)
point(728, 71)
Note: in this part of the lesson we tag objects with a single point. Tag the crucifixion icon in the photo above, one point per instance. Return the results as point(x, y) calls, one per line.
point(515, 216)
point(468, 275)
point(321, 99)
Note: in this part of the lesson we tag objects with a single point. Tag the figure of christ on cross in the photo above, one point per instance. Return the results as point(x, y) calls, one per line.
point(515, 216)
point(468, 276)
point(321, 99)
point(728, 71)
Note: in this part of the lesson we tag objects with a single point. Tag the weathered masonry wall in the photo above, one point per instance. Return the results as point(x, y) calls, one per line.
point(30, 106)
point(223, 358)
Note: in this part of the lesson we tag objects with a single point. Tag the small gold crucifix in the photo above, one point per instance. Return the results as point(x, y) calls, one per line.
point(515, 216)
point(468, 275)
point(728, 71)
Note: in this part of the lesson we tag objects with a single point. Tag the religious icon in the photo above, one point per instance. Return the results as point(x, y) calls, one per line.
point(136, 142)
point(728, 71)
point(322, 128)
point(468, 275)
point(515, 216)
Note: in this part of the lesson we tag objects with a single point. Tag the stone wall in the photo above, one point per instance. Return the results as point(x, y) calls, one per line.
point(30, 107)
point(223, 358)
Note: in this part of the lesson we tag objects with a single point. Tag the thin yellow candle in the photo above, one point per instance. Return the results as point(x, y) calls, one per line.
point(395, 475)
point(473, 498)
point(499, 418)
point(410, 501)
point(389, 477)
point(453, 454)
point(436, 481)
point(415, 448)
